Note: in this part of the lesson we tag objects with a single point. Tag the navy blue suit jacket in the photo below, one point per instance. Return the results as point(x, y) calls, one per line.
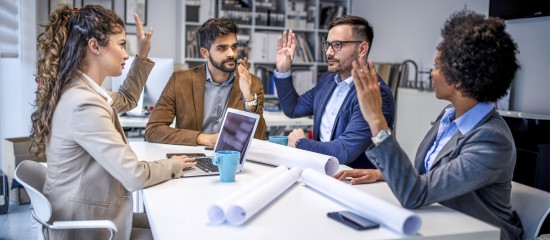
point(350, 134)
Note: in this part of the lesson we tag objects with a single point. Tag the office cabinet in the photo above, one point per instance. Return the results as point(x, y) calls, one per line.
point(261, 22)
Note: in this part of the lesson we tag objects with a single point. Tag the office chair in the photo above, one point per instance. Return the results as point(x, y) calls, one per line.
point(32, 175)
point(532, 206)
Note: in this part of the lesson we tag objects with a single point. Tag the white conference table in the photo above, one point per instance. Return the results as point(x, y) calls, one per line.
point(177, 209)
point(272, 119)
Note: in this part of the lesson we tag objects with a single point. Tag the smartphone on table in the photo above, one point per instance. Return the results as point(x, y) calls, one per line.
point(353, 220)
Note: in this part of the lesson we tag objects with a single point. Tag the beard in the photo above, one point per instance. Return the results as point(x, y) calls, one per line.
point(343, 67)
point(221, 65)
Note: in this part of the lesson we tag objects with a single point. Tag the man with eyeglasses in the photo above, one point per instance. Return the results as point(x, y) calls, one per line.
point(339, 129)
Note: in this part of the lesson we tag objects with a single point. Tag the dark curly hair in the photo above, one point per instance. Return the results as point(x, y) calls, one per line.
point(477, 55)
point(213, 28)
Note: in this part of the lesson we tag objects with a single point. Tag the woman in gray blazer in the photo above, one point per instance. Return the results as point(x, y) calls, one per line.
point(91, 168)
point(466, 161)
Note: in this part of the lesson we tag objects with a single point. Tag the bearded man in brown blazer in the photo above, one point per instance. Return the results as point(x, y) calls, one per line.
point(198, 97)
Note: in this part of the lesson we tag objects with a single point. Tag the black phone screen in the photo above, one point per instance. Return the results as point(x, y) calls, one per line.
point(353, 220)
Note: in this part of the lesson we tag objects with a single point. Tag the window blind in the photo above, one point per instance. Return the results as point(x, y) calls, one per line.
point(9, 28)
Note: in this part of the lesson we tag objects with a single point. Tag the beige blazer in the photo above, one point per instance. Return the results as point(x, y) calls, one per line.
point(91, 168)
point(183, 99)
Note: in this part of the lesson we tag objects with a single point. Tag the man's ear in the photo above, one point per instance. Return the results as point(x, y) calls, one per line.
point(364, 49)
point(204, 52)
point(93, 46)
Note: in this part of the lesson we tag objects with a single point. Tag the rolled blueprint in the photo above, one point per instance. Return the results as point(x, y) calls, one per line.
point(362, 203)
point(276, 154)
point(246, 207)
point(217, 212)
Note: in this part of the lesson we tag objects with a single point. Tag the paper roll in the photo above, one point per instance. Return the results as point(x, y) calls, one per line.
point(217, 211)
point(276, 154)
point(246, 207)
point(362, 203)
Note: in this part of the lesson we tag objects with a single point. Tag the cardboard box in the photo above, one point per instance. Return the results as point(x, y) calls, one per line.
point(14, 151)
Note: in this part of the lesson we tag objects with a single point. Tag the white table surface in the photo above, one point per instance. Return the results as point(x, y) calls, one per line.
point(272, 119)
point(177, 209)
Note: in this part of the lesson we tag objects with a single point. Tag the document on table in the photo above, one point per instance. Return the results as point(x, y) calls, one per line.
point(240, 206)
point(276, 154)
point(218, 211)
point(362, 203)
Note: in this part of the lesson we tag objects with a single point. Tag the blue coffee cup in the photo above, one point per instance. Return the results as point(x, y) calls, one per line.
point(227, 162)
point(283, 140)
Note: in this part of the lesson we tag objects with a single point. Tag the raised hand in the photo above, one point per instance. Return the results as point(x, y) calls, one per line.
point(144, 38)
point(366, 82)
point(245, 81)
point(286, 47)
point(360, 176)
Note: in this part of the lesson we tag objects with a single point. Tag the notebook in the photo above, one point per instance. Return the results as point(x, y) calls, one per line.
point(238, 128)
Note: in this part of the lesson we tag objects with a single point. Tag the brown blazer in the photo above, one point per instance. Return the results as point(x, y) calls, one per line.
point(91, 168)
point(183, 98)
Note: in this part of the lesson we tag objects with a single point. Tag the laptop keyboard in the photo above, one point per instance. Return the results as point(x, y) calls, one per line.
point(205, 164)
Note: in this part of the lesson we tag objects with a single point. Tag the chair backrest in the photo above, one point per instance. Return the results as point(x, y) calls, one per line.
point(32, 175)
point(532, 206)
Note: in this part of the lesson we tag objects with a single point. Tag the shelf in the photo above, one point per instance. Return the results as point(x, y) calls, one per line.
point(194, 24)
point(195, 59)
point(262, 22)
point(270, 28)
point(299, 30)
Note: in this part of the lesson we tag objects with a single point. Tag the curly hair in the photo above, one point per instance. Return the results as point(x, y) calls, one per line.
point(61, 51)
point(213, 28)
point(362, 30)
point(477, 55)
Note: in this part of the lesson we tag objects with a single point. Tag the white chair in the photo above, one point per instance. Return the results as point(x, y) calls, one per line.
point(532, 206)
point(32, 175)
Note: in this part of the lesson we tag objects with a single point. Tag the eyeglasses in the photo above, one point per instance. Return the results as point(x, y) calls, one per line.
point(337, 45)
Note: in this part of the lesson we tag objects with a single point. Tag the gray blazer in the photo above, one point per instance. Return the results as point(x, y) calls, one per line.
point(91, 168)
point(472, 173)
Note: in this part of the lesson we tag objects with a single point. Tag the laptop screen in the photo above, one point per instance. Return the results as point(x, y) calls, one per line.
point(237, 131)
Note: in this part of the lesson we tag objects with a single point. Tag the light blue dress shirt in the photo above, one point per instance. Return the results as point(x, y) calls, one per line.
point(215, 102)
point(448, 127)
point(333, 105)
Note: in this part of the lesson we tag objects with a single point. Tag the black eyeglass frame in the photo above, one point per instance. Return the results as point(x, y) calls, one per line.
point(341, 43)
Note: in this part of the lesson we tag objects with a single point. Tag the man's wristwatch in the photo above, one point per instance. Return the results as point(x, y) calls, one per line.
point(381, 136)
point(253, 102)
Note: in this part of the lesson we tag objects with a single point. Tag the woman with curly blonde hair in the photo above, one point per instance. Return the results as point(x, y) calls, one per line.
point(91, 168)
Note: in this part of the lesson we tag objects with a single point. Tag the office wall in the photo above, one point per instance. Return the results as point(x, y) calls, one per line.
point(17, 83)
point(410, 30)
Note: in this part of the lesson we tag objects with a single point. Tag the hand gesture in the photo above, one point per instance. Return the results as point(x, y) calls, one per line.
point(185, 161)
point(360, 176)
point(366, 82)
point(286, 47)
point(245, 81)
point(296, 134)
point(208, 140)
point(144, 38)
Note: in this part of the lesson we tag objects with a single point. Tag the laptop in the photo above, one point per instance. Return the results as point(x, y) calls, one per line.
point(236, 133)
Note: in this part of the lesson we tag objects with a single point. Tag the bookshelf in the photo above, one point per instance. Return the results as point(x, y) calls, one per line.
point(260, 23)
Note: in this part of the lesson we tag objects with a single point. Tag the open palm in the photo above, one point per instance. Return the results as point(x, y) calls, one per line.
point(286, 47)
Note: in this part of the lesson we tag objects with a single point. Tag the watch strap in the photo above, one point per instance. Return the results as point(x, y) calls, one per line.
point(253, 102)
point(381, 136)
